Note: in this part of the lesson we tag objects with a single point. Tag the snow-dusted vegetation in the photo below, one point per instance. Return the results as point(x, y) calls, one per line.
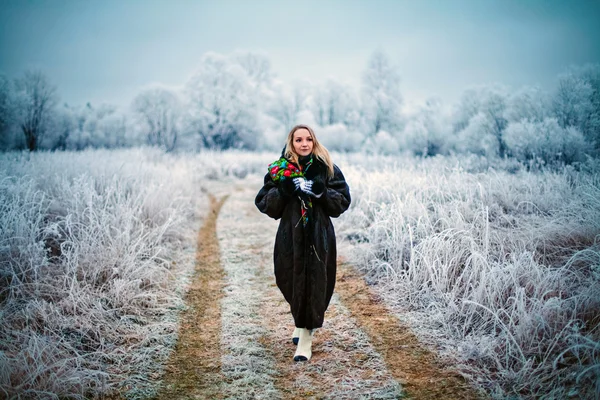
point(478, 221)
point(498, 266)
point(95, 247)
point(494, 263)
point(236, 101)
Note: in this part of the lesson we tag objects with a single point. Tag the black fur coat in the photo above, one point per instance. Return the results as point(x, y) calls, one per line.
point(305, 258)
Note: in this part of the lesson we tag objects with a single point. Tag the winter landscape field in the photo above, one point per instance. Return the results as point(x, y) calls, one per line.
point(493, 266)
point(135, 135)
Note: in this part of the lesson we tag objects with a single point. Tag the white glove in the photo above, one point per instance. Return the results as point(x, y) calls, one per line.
point(299, 182)
point(306, 187)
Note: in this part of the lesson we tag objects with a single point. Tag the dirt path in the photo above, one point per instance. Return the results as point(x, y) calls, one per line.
point(235, 339)
point(194, 368)
point(263, 324)
point(411, 364)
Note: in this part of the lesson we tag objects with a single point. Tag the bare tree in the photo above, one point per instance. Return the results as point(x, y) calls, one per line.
point(159, 109)
point(571, 102)
point(381, 94)
point(286, 103)
point(576, 101)
point(256, 65)
point(328, 102)
point(63, 126)
point(5, 112)
point(222, 104)
point(36, 99)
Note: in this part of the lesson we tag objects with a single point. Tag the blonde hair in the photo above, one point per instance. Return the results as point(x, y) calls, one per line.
point(319, 151)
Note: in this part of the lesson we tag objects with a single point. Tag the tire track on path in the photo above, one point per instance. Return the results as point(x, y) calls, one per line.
point(248, 366)
point(194, 368)
point(410, 362)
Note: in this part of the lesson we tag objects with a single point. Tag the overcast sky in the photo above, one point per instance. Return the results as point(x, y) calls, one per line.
point(105, 50)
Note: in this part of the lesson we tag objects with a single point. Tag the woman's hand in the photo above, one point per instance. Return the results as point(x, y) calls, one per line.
point(299, 183)
point(312, 188)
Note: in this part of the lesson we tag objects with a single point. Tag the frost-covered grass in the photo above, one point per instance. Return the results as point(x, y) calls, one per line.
point(500, 268)
point(94, 250)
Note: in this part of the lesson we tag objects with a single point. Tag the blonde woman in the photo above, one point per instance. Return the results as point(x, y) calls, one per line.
point(304, 189)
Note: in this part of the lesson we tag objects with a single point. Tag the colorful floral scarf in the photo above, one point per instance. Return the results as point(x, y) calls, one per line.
point(281, 170)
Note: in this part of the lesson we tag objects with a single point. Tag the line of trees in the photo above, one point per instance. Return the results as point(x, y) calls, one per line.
point(236, 101)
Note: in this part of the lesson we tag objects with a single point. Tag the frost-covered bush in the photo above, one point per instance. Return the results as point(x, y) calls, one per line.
point(545, 141)
point(215, 165)
point(381, 143)
point(576, 101)
point(338, 137)
point(498, 269)
point(489, 100)
point(527, 103)
point(426, 132)
point(478, 137)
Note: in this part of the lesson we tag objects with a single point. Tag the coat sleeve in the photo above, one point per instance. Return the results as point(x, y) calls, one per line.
point(270, 200)
point(336, 198)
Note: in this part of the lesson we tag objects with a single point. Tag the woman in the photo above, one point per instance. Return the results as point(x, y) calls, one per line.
point(304, 188)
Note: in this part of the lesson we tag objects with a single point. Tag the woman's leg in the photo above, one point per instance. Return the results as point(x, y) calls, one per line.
point(304, 349)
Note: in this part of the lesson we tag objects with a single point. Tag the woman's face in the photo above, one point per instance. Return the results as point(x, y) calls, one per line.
point(303, 142)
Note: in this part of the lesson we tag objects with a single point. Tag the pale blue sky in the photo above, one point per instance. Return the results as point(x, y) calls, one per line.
point(104, 51)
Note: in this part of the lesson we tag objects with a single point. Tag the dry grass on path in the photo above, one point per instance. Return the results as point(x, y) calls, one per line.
point(194, 369)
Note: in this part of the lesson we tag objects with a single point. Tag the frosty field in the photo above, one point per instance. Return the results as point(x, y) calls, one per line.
point(494, 267)
point(499, 270)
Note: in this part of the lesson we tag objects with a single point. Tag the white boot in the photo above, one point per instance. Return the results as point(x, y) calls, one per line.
point(304, 349)
point(296, 335)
